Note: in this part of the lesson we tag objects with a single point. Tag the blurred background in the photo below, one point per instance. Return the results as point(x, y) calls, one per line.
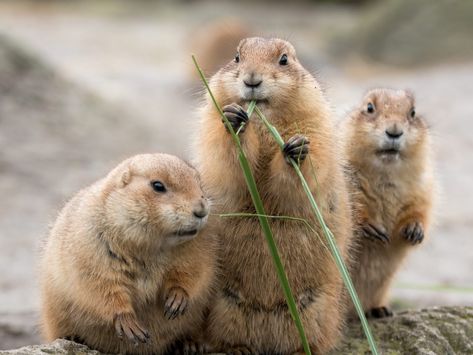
point(85, 84)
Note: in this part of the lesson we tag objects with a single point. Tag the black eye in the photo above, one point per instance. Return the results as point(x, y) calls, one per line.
point(158, 186)
point(283, 60)
point(370, 108)
point(413, 113)
point(237, 58)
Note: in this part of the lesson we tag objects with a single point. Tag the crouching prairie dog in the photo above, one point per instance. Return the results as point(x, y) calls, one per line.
point(128, 265)
point(388, 150)
point(249, 314)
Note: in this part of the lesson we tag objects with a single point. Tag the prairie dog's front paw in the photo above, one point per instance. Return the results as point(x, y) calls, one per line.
point(296, 148)
point(175, 302)
point(237, 117)
point(126, 323)
point(375, 233)
point(190, 347)
point(413, 232)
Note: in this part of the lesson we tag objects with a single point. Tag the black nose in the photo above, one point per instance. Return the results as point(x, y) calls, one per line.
point(394, 133)
point(252, 83)
point(201, 211)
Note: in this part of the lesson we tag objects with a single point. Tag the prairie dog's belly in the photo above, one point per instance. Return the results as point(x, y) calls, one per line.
point(249, 272)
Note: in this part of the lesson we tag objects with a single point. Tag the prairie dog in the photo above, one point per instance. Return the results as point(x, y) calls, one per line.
point(250, 312)
point(388, 151)
point(128, 265)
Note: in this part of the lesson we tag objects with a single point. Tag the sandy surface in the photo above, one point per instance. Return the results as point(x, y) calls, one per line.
point(127, 90)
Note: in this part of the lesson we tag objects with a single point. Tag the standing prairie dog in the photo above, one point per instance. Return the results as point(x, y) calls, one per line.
point(127, 266)
point(249, 314)
point(388, 150)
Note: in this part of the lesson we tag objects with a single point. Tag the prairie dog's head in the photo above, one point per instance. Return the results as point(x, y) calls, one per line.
point(156, 196)
point(387, 127)
point(266, 70)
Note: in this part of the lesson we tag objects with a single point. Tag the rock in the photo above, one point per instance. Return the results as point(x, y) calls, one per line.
point(439, 330)
point(59, 346)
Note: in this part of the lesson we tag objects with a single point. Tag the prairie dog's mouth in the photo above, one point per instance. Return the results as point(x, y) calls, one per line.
point(190, 231)
point(258, 102)
point(186, 232)
point(250, 94)
point(388, 151)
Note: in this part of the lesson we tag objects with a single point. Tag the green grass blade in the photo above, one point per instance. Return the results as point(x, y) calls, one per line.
point(329, 237)
point(250, 181)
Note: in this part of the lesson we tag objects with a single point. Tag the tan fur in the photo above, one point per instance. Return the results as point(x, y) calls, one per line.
point(391, 191)
point(113, 252)
point(250, 309)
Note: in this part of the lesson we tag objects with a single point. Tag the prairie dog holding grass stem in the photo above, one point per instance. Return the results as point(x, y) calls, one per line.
point(249, 314)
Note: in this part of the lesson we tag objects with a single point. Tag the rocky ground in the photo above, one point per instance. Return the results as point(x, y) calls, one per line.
point(82, 87)
point(442, 330)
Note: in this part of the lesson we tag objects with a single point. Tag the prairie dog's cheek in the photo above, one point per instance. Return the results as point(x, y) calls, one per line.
point(283, 80)
point(412, 136)
point(232, 84)
point(167, 217)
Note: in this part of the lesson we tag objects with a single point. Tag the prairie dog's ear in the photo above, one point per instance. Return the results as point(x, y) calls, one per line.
point(121, 175)
point(124, 174)
point(125, 177)
point(410, 95)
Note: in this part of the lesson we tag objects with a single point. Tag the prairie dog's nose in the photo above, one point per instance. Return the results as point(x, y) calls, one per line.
point(252, 80)
point(201, 210)
point(394, 132)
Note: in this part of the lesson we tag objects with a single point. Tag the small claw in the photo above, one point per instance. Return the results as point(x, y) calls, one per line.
point(126, 323)
point(141, 334)
point(414, 233)
point(237, 116)
point(176, 303)
point(296, 148)
point(183, 306)
point(372, 232)
point(168, 306)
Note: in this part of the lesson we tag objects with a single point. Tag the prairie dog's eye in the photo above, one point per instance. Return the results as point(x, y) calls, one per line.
point(158, 186)
point(237, 58)
point(283, 59)
point(413, 112)
point(370, 107)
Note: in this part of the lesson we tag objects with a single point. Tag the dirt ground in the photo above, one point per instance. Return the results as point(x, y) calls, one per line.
point(116, 82)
